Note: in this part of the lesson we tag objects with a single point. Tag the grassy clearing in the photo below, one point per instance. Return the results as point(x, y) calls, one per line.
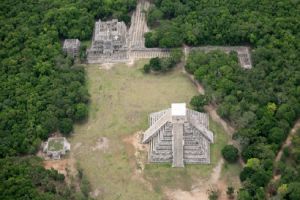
point(121, 99)
point(56, 144)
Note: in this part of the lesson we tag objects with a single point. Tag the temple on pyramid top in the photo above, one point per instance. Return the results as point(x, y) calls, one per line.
point(178, 135)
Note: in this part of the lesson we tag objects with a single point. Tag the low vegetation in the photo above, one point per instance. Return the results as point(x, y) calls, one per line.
point(199, 101)
point(56, 144)
point(230, 153)
point(164, 64)
point(26, 178)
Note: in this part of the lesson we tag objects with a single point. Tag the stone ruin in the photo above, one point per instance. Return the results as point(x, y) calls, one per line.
point(55, 147)
point(109, 41)
point(243, 53)
point(71, 47)
point(113, 42)
point(178, 135)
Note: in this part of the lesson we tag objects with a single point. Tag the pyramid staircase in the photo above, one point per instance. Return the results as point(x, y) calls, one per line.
point(162, 145)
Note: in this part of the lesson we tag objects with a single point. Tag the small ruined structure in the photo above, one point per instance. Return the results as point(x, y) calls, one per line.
point(55, 147)
point(178, 135)
point(72, 47)
point(243, 53)
point(109, 41)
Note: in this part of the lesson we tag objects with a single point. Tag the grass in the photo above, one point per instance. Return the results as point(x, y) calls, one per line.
point(121, 99)
point(230, 174)
point(56, 144)
point(86, 43)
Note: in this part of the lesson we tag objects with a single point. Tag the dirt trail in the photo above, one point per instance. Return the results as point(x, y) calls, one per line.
point(212, 110)
point(201, 189)
point(287, 143)
point(288, 140)
point(140, 158)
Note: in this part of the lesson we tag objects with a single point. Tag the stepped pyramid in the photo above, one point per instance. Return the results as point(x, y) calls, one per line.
point(178, 135)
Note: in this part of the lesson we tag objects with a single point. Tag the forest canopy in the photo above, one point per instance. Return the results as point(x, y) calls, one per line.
point(41, 90)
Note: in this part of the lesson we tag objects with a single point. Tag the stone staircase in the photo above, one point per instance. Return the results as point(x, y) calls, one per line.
point(138, 25)
point(162, 146)
point(177, 146)
point(195, 147)
point(154, 128)
point(200, 118)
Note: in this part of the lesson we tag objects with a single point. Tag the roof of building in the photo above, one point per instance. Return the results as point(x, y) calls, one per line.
point(109, 30)
point(71, 43)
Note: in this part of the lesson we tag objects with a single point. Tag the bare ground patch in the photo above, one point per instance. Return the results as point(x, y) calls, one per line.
point(96, 193)
point(200, 190)
point(139, 152)
point(77, 145)
point(101, 144)
point(66, 166)
point(106, 66)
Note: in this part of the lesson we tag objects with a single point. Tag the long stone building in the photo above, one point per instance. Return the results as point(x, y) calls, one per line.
point(178, 135)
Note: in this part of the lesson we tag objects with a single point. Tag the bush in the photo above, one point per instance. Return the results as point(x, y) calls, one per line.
point(230, 192)
point(199, 101)
point(65, 126)
point(81, 111)
point(230, 153)
point(213, 194)
point(164, 64)
point(147, 68)
point(155, 64)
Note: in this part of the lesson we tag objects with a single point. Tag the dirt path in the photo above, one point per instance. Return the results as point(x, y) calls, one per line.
point(287, 143)
point(140, 151)
point(288, 140)
point(212, 110)
point(201, 189)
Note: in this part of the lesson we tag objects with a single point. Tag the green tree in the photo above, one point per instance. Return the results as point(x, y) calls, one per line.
point(293, 192)
point(198, 102)
point(253, 163)
point(230, 192)
point(230, 153)
point(155, 64)
point(147, 68)
point(81, 111)
point(66, 126)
